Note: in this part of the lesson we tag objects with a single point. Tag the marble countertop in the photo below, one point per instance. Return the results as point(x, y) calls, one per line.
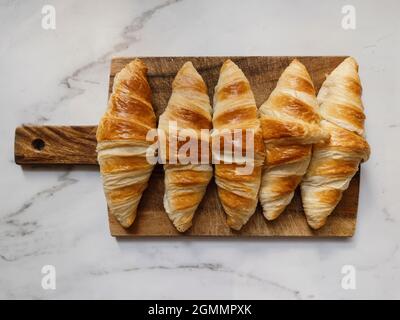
point(58, 216)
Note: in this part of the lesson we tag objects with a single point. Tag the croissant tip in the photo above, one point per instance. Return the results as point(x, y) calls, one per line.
point(188, 64)
point(316, 224)
point(126, 223)
point(271, 217)
point(138, 63)
point(297, 63)
point(349, 62)
point(234, 224)
point(183, 227)
point(353, 61)
point(188, 67)
point(235, 227)
point(227, 63)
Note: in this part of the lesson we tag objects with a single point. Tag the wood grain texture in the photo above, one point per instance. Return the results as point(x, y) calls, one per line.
point(55, 145)
point(76, 145)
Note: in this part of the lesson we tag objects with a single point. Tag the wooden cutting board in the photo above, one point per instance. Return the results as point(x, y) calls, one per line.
point(76, 145)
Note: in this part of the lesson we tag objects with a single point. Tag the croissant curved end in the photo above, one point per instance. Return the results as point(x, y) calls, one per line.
point(138, 63)
point(126, 222)
point(234, 223)
point(228, 63)
point(316, 223)
point(351, 60)
point(296, 63)
point(182, 227)
point(272, 215)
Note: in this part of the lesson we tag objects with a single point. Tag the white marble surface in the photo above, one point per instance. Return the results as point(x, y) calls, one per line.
point(58, 217)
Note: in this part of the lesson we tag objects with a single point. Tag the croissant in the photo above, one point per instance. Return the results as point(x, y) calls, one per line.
point(335, 161)
point(235, 110)
point(185, 184)
point(290, 124)
point(121, 142)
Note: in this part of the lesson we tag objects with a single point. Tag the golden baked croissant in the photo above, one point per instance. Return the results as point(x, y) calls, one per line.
point(235, 109)
point(290, 124)
point(121, 142)
point(185, 184)
point(335, 161)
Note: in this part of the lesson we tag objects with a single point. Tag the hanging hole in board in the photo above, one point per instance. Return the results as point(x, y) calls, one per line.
point(38, 144)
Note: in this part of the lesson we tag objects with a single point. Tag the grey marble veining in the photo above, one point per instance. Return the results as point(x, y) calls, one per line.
point(58, 216)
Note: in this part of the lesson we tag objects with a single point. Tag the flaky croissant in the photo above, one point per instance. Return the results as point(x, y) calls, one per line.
point(290, 124)
point(185, 184)
point(121, 142)
point(235, 109)
point(336, 161)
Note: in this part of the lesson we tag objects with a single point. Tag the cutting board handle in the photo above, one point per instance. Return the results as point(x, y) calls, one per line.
point(44, 145)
